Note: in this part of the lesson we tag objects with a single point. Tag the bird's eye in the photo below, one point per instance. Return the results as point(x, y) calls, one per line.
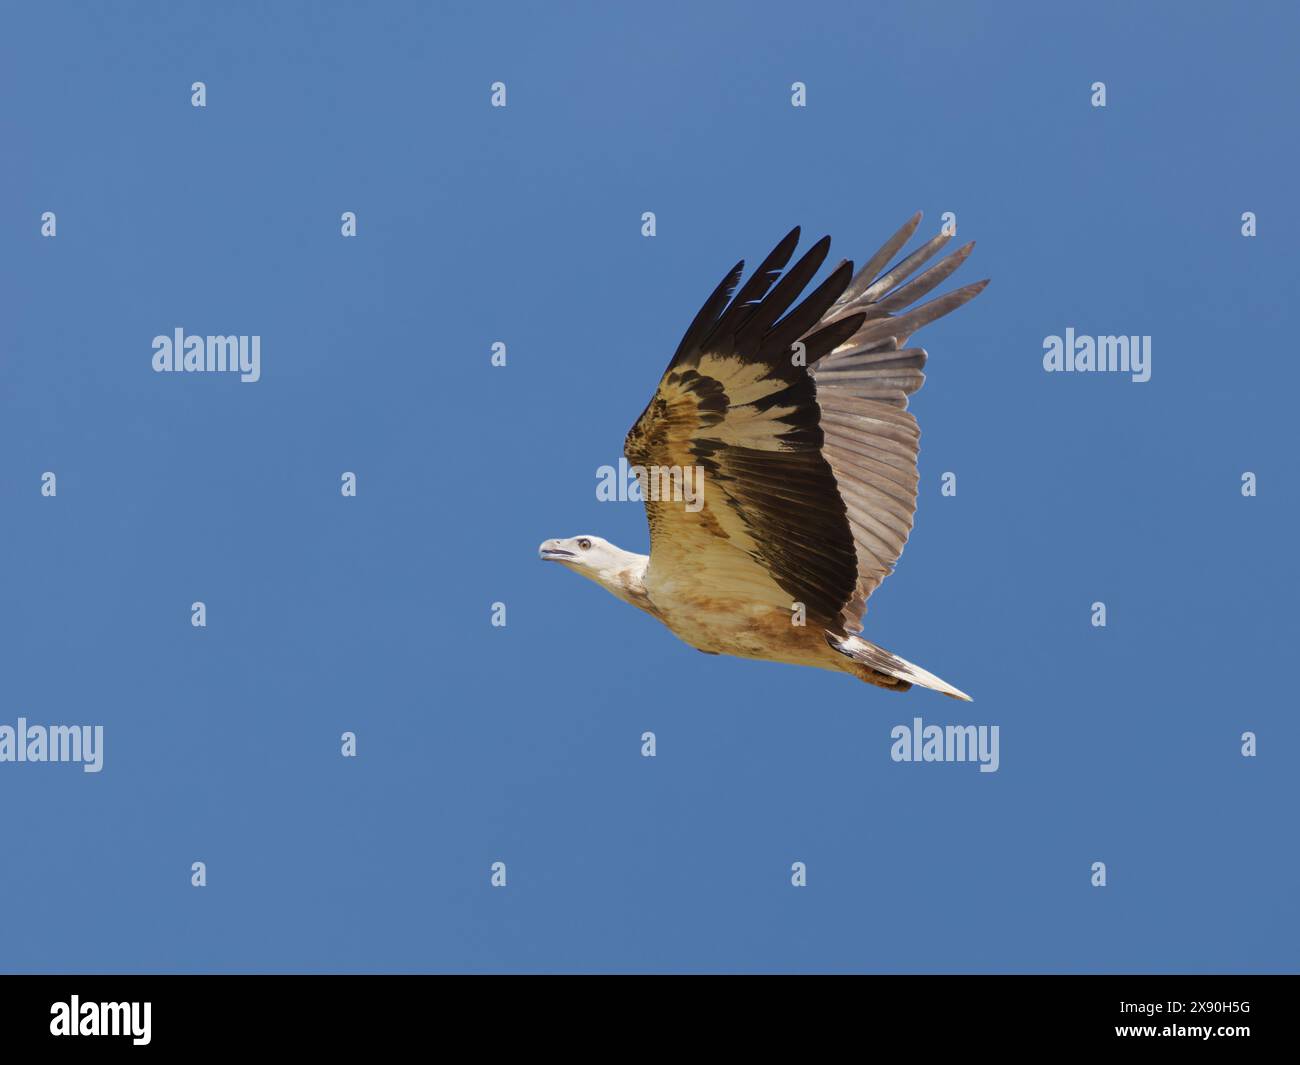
point(584, 543)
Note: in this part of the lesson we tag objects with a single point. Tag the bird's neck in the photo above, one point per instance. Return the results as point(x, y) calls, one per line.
point(628, 581)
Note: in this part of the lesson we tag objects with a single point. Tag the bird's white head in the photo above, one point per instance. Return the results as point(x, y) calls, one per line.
point(611, 567)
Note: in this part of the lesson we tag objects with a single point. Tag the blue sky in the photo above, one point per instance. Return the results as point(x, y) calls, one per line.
point(522, 225)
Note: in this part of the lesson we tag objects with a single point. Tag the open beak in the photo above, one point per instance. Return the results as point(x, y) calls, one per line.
point(549, 552)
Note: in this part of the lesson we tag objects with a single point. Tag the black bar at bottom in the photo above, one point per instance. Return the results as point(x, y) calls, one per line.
point(336, 1014)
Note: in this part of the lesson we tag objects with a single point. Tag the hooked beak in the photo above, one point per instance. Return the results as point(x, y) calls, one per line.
point(552, 552)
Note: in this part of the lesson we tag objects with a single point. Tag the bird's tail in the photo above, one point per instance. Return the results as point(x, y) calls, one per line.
point(882, 661)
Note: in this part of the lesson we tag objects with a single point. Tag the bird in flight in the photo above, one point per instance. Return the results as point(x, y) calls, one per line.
point(794, 413)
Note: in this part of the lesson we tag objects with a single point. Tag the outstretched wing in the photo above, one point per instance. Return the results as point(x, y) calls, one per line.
point(734, 404)
point(797, 506)
point(870, 438)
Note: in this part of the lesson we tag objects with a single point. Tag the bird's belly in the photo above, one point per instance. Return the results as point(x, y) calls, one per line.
point(747, 630)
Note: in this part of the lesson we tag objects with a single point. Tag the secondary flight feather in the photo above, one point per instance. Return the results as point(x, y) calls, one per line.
point(795, 409)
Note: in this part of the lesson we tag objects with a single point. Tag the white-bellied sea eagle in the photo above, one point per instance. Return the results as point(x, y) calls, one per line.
point(797, 415)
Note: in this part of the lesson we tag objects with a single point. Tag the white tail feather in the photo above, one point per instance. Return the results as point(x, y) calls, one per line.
point(883, 661)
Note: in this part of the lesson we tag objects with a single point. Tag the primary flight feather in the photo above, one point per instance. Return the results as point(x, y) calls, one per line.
point(796, 412)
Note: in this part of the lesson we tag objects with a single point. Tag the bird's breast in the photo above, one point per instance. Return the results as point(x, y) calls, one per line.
point(744, 629)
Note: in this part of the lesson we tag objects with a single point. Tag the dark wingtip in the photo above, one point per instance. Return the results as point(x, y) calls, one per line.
point(817, 252)
point(840, 276)
point(786, 245)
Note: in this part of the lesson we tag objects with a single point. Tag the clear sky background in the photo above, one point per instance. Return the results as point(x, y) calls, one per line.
point(522, 744)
